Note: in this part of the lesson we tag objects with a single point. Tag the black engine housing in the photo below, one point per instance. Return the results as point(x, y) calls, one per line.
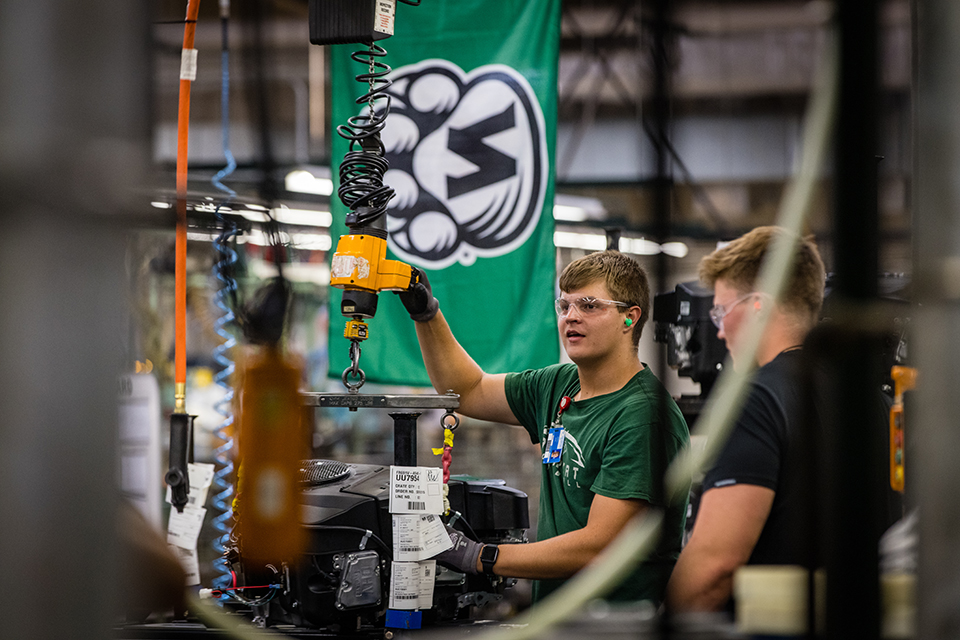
point(343, 577)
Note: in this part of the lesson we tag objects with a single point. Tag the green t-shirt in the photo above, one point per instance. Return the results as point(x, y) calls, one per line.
point(614, 446)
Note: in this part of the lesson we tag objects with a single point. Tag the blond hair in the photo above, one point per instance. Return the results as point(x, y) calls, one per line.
point(624, 278)
point(739, 262)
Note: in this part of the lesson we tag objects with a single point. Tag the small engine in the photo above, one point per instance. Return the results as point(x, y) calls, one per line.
point(342, 580)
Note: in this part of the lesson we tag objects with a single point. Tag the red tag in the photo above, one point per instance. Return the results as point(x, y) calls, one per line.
point(565, 403)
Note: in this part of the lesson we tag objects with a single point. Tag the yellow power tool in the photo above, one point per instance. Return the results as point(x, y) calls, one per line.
point(360, 267)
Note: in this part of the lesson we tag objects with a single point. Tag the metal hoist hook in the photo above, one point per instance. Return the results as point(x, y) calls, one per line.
point(354, 369)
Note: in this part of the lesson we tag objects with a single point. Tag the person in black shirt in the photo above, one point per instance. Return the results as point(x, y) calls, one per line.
point(749, 502)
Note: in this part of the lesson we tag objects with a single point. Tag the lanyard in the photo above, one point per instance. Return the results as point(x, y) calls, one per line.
point(556, 435)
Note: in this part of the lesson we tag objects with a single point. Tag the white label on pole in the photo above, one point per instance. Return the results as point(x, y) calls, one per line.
point(190, 563)
point(418, 537)
point(184, 528)
point(188, 64)
point(416, 490)
point(383, 22)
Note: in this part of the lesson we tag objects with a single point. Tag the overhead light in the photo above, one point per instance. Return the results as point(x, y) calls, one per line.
point(253, 216)
point(255, 237)
point(285, 215)
point(566, 213)
point(570, 208)
point(201, 236)
point(162, 205)
point(307, 241)
point(303, 217)
point(312, 272)
point(588, 241)
point(316, 181)
point(639, 246)
point(675, 249)
point(311, 241)
point(636, 246)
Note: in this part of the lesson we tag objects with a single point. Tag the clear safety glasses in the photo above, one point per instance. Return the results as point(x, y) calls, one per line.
point(586, 305)
point(720, 311)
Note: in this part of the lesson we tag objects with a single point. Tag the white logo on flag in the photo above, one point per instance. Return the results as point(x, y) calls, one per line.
point(468, 161)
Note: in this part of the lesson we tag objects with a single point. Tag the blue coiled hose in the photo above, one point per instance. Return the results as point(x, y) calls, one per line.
point(226, 293)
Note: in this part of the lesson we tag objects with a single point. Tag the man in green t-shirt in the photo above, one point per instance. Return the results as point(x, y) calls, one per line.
point(604, 456)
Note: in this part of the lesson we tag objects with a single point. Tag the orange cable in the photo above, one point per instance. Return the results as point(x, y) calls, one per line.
point(183, 134)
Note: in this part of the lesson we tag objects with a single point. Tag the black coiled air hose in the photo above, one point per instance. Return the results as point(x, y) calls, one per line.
point(364, 165)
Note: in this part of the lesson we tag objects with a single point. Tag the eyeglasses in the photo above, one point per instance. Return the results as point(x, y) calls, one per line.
point(720, 311)
point(587, 305)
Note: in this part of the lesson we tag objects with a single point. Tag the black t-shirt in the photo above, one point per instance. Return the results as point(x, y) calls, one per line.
point(772, 446)
point(757, 453)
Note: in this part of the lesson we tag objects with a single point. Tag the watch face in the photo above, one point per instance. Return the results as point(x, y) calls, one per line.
point(488, 556)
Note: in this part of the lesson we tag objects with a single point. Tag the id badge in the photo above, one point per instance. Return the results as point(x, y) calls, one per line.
point(554, 449)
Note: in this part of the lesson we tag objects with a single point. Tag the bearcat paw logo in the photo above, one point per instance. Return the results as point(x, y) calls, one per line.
point(468, 161)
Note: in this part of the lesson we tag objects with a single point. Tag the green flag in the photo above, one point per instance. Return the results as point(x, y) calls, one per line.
point(470, 140)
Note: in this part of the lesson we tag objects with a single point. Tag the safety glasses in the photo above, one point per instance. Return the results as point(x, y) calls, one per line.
point(720, 311)
point(587, 305)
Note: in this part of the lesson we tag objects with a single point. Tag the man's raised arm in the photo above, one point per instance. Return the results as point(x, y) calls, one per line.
point(449, 366)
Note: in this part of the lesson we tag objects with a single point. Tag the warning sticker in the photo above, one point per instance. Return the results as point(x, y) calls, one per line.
point(383, 21)
point(416, 490)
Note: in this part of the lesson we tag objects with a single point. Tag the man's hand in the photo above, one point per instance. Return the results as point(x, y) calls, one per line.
point(418, 299)
point(463, 555)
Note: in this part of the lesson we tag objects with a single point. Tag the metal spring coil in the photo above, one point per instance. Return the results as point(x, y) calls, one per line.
point(222, 477)
point(223, 270)
point(364, 165)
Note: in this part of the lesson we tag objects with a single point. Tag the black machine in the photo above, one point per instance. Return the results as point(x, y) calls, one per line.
point(682, 322)
point(342, 581)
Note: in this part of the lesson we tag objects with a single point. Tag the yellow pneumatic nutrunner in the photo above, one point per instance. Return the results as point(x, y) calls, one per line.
point(360, 267)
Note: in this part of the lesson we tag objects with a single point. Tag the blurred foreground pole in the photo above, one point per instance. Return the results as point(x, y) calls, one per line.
point(933, 472)
point(72, 142)
point(851, 554)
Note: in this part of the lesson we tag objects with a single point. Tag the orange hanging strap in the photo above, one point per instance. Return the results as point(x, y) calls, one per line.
point(188, 72)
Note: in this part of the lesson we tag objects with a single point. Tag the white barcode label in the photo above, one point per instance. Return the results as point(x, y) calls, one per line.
point(183, 528)
point(416, 490)
point(418, 537)
point(404, 585)
point(411, 584)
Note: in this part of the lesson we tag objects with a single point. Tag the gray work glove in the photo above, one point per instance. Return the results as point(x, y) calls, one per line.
point(463, 555)
point(418, 299)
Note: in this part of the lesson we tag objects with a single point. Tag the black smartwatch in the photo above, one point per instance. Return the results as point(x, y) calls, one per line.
point(488, 557)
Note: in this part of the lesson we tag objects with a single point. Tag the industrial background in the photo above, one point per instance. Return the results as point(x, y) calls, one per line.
point(88, 145)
